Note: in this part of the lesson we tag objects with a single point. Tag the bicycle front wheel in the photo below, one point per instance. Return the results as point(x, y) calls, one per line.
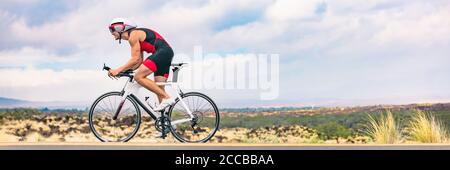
point(202, 126)
point(108, 128)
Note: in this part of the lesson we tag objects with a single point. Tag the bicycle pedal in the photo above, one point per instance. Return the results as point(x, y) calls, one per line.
point(162, 136)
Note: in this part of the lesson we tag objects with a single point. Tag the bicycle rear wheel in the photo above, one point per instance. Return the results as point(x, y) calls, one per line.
point(204, 124)
point(108, 129)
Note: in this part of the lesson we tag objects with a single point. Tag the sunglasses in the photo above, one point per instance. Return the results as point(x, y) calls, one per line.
point(116, 27)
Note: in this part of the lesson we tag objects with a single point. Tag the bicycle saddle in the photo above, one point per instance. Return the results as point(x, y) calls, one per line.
point(177, 64)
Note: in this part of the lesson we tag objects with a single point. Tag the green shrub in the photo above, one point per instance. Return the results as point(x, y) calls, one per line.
point(333, 130)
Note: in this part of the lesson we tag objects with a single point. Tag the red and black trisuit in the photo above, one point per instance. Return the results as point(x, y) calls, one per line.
point(162, 54)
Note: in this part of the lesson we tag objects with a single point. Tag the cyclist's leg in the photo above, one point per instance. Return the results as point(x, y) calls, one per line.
point(141, 78)
point(162, 73)
point(160, 79)
point(163, 59)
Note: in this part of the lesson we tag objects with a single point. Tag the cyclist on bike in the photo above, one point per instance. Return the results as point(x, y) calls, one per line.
point(140, 40)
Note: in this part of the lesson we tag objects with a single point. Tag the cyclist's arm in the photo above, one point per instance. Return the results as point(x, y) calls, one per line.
point(136, 54)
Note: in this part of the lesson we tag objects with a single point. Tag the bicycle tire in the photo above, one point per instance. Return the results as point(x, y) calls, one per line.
point(216, 112)
point(97, 101)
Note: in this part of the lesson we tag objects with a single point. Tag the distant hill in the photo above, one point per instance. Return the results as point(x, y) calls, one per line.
point(433, 107)
point(15, 103)
point(8, 102)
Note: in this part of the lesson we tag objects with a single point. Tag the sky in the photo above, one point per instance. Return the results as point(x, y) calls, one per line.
point(346, 52)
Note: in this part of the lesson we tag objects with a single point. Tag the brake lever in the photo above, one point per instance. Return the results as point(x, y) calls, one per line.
point(106, 67)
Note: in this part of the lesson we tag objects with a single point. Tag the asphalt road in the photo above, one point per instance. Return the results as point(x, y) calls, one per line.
point(207, 146)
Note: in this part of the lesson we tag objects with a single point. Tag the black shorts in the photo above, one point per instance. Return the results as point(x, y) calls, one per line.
point(160, 61)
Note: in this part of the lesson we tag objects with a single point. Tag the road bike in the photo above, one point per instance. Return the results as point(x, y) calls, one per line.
point(116, 116)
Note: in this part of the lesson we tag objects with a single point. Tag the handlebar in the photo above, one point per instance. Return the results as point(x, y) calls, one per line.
point(127, 73)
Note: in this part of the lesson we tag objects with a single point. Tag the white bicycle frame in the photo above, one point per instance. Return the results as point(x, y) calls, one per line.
point(132, 87)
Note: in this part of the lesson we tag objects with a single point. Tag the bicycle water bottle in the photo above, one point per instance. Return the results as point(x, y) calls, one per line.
point(153, 106)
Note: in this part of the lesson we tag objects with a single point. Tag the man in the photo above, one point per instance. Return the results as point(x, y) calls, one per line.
point(140, 40)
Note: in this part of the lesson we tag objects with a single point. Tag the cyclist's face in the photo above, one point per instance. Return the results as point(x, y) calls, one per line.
point(115, 35)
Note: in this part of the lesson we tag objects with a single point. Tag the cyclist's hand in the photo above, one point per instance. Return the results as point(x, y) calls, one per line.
point(113, 73)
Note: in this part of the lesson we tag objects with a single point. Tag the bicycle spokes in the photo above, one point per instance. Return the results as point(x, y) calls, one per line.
point(204, 121)
point(109, 123)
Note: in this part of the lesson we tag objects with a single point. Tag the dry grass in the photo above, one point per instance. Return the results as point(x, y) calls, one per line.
point(425, 128)
point(76, 129)
point(384, 130)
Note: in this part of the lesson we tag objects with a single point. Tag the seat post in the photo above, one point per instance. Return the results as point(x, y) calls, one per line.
point(175, 74)
point(176, 69)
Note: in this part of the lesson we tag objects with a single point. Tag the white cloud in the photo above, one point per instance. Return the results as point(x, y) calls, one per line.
point(31, 77)
point(420, 24)
point(291, 10)
point(21, 2)
point(350, 33)
point(29, 56)
point(85, 27)
point(49, 85)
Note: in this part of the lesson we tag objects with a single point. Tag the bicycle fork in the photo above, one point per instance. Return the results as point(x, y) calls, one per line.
point(118, 109)
point(125, 92)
